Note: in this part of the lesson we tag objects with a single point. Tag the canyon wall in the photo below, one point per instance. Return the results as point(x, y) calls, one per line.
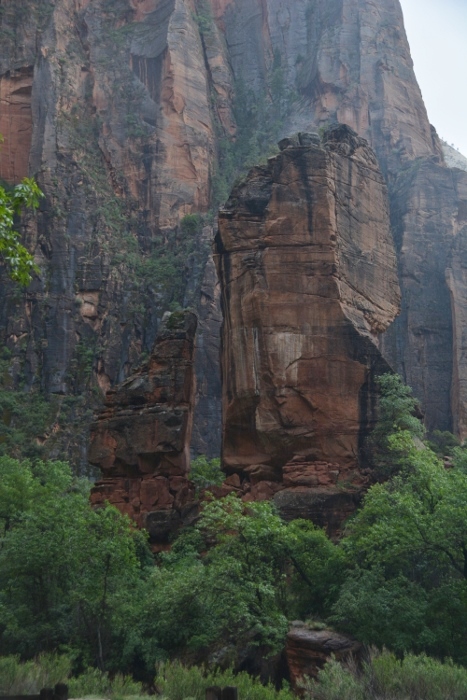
point(135, 116)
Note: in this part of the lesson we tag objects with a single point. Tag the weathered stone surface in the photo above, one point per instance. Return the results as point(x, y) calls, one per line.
point(141, 437)
point(349, 61)
point(158, 504)
point(308, 650)
point(453, 158)
point(15, 124)
point(456, 278)
point(327, 507)
point(206, 437)
point(426, 343)
point(308, 275)
point(145, 427)
point(108, 104)
point(130, 104)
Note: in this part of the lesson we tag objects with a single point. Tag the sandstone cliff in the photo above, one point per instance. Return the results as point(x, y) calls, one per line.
point(308, 273)
point(135, 115)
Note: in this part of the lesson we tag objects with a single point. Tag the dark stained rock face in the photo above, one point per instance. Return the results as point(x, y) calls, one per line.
point(308, 650)
point(141, 438)
point(309, 283)
point(426, 345)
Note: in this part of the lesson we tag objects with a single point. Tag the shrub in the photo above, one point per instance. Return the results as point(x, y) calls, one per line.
point(417, 678)
point(96, 682)
point(204, 472)
point(178, 682)
point(17, 678)
point(384, 677)
point(335, 682)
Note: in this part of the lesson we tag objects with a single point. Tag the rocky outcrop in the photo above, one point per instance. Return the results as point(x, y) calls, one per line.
point(307, 651)
point(453, 157)
point(309, 282)
point(141, 439)
point(350, 62)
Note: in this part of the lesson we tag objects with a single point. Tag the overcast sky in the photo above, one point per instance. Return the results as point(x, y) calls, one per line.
point(437, 32)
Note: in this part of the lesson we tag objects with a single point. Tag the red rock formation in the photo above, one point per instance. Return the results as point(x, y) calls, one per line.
point(15, 124)
point(308, 275)
point(308, 650)
point(132, 101)
point(141, 438)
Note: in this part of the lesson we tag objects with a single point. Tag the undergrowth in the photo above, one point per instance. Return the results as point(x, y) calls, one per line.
point(178, 682)
point(384, 677)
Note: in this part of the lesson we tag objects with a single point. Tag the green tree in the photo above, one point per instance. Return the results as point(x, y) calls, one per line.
point(206, 472)
point(18, 261)
point(231, 583)
point(407, 551)
point(64, 568)
point(397, 413)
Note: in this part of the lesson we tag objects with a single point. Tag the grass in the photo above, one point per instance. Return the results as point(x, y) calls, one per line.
point(384, 677)
point(28, 677)
point(178, 682)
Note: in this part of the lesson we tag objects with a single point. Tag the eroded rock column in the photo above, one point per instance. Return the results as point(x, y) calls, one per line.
point(309, 283)
point(141, 437)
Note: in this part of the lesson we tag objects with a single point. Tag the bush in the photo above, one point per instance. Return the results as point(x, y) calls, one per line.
point(384, 677)
point(96, 682)
point(28, 678)
point(205, 473)
point(419, 678)
point(335, 682)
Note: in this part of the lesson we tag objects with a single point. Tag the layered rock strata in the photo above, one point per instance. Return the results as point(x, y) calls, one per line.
point(141, 438)
point(309, 282)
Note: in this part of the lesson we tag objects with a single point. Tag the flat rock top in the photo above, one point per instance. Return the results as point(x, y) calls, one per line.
point(320, 640)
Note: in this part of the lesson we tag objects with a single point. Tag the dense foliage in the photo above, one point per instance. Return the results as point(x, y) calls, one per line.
point(83, 581)
point(64, 567)
point(19, 262)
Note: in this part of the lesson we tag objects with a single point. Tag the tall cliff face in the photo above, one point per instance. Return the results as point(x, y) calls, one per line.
point(308, 273)
point(108, 104)
point(136, 114)
point(349, 61)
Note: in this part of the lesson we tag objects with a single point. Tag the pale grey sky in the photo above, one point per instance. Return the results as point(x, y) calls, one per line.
point(437, 32)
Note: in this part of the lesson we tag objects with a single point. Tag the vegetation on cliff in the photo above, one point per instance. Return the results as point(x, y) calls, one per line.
point(18, 261)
